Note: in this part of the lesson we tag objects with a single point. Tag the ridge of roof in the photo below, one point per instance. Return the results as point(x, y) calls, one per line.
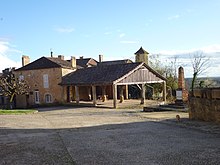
point(62, 63)
point(115, 62)
point(46, 63)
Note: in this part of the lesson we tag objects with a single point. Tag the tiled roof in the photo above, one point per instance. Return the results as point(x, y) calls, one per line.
point(85, 62)
point(115, 62)
point(141, 51)
point(45, 63)
point(101, 74)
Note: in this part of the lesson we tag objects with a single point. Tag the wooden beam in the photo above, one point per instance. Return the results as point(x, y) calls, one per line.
point(114, 95)
point(140, 82)
point(77, 94)
point(94, 95)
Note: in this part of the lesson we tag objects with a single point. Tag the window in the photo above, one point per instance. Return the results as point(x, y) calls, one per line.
point(21, 77)
point(45, 81)
point(48, 98)
point(36, 97)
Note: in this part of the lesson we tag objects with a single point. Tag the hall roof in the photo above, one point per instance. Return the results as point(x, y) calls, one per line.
point(128, 73)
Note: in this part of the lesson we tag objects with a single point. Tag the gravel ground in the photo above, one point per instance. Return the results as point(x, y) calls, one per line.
point(106, 136)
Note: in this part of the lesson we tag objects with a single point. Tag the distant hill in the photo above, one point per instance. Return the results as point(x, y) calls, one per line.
point(206, 82)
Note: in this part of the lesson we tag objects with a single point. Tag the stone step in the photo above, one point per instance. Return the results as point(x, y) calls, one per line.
point(162, 108)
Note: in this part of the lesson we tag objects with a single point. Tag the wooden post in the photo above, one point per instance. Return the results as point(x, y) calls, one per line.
point(114, 96)
point(104, 93)
point(142, 93)
point(164, 91)
point(94, 95)
point(121, 94)
point(77, 94)
point(126, 92)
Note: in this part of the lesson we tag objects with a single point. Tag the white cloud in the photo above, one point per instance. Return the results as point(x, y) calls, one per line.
point(128, 42)
point(108, 33)
point(5, 61)
point(207, 49)
point(3, 47)
point(211, 48)
point(121, 35)
point(64, 30)
point(174, 17)
point(184, 58)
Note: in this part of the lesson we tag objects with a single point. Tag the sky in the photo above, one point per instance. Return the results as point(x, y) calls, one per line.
point(113, 28)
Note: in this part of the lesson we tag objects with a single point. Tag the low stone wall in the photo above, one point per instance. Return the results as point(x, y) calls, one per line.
point(205, 105)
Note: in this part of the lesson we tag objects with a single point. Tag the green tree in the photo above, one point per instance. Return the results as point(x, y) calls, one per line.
point(200, 64)
point(11, 86)
point(167, 69)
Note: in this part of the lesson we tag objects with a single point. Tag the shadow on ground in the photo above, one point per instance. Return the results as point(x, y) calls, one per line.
point(148, 142)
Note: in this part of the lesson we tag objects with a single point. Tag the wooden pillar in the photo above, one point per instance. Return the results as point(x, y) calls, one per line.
point(142, 93)
point(164, 91)
point(94, 95)
point(77, 94)
point(104, 93)
point(114, 96)
point(121, 93)
point(126, 92)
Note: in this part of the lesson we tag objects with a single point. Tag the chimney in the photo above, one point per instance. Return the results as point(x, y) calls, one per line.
point(100, 58)
point(61, 57)
point(73, 61)
point(81, 57)
point(25, 60)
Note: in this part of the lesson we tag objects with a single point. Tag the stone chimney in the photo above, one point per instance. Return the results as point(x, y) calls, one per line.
point(100, 58)
point(73, 61)
point(25, 60)
point(61, 57)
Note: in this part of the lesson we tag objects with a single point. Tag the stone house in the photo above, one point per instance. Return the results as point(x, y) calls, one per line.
point(43, 76)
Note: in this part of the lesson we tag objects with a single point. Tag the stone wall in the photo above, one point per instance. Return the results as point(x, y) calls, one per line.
point(205, 105)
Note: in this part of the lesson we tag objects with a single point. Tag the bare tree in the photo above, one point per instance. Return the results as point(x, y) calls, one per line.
point(10, 86)
point(200, 64)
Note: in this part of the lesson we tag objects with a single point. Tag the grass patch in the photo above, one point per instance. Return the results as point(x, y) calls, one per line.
point(17, 111)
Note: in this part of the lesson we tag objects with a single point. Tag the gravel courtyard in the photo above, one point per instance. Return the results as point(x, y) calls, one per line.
point(96, 136)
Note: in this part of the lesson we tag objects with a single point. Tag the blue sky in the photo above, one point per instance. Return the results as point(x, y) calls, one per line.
point(114, 28)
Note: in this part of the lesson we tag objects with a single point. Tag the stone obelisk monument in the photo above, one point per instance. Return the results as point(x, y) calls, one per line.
point(181, 92)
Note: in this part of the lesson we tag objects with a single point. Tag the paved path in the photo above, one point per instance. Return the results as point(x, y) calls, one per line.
point(106, 136)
